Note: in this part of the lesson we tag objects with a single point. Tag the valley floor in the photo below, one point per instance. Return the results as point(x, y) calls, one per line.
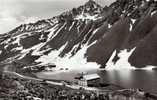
point(14, 86)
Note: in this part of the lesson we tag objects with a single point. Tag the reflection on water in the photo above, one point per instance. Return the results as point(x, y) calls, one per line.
point(127, 78)
point(68, 75)
point(143, 79)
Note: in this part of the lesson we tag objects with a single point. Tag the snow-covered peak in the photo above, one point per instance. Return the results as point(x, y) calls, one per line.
point(90, 10)
point(91, 7)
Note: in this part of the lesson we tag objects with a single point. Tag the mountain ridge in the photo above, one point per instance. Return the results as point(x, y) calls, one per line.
point(87, 34)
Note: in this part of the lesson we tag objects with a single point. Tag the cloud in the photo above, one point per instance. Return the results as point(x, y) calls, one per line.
point(8, 15)
point(7, 21)
point(16, 12)
point(7, 24)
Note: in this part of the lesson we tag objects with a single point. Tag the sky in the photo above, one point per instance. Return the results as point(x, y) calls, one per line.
point(16, 12)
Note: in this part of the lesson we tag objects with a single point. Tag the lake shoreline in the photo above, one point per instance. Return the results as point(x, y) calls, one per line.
point(112, 84)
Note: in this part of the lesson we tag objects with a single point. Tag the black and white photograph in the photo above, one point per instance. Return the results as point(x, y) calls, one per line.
point(78, 49)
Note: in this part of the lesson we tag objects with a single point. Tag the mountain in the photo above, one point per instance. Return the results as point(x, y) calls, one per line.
point(89, 36)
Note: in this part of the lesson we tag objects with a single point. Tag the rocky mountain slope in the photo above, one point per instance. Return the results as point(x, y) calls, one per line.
point(89, 36)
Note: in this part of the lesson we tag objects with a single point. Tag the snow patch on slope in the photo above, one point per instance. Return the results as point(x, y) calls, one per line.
point(86, 17)
point(36, 50)
point(77, 62)
point(93, 33)
point(109, 25)
point(133, 21)
point(51, 34)
point(51, 57)
point(122, 63)
point(147, 68)
point(71, 26)
point(154, 12)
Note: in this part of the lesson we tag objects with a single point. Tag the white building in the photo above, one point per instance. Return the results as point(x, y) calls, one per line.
point(87, 80)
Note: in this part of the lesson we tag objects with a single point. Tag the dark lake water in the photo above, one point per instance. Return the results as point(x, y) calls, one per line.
point(143, 79)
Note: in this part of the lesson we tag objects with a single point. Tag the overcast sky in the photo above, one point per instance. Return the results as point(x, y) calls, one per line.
point(16, 12)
